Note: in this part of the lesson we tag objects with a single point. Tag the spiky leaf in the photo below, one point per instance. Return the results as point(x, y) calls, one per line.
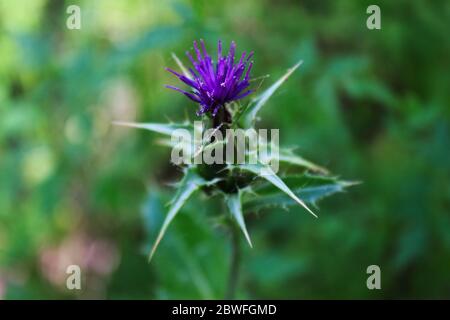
point(190, 183)
point(163, 128)
point(249, 114)
point(181, 66)
point(265, 171)
point(287, 156)
point(234, 205)
point(309, 188)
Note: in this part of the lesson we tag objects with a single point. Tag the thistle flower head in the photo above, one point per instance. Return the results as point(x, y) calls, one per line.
point(215, 84)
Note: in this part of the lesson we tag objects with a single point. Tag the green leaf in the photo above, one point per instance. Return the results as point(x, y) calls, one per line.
point(264, 171)
point(234, 205)
point(309, 188)
point(289, 157)
point(205, 145)
point(249, 114)
point(163, 128)
point(181, 65)
point(190, 183)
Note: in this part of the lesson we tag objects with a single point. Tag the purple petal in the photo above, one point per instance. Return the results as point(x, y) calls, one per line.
point(242, 95)
point(219, 50)
point(215, 84)
point(187, 94)
point(197, 51)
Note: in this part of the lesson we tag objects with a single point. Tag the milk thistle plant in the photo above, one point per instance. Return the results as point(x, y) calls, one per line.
point(218, 86)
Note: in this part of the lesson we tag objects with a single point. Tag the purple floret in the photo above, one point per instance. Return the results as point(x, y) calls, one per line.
point(214, 85)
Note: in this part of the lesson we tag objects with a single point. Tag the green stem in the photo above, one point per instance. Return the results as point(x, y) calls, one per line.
point(234, 263)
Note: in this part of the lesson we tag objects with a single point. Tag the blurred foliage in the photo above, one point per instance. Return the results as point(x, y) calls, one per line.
point(370, 105)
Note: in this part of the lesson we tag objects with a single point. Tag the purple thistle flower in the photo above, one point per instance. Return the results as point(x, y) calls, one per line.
point(215, 85)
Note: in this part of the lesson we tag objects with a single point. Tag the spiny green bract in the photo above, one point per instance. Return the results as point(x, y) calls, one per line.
point(242, 187)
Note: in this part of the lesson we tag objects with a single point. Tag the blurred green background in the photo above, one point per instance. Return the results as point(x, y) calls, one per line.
point(370, 105)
